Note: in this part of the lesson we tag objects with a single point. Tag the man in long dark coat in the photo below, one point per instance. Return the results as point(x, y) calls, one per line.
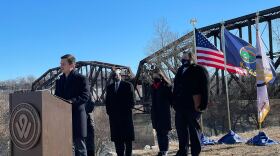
point(74, 88)
point(119, 103)
point(191, 86)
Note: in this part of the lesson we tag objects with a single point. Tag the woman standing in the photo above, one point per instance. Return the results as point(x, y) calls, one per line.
point(160, 112)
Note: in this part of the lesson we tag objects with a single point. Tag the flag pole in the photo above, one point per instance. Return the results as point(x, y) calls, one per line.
point(224, 50)
point(257, 31)
point(193, 22)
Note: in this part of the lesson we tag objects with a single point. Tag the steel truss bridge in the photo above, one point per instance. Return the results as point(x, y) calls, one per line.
point(168, 58)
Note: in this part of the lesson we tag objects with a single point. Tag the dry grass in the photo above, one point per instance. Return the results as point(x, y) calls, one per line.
point(4, 131)
point(101, 130)
point(230, 150)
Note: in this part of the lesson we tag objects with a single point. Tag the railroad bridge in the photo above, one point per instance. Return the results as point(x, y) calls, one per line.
point(168, 59)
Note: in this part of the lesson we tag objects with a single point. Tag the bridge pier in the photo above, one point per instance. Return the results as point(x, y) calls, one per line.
point(143, 131)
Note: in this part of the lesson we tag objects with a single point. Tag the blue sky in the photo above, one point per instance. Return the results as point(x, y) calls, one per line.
point(35, 33)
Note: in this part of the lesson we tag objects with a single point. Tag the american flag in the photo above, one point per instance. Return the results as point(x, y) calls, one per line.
point(209, 55)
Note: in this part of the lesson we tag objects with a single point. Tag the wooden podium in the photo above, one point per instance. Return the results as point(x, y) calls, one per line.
point(40, 125)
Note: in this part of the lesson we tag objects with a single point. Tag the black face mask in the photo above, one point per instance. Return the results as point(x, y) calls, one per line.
point(115, 79)
point(156, 80)
point(186, 62)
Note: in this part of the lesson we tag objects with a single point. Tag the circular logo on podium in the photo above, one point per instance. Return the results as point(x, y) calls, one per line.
point(25, 126)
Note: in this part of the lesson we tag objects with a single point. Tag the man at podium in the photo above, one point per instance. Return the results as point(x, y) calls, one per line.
point(74, 88)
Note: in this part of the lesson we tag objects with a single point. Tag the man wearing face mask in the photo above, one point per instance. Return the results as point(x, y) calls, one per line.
point(120, 101)
point(190, 99)
point(160, 112)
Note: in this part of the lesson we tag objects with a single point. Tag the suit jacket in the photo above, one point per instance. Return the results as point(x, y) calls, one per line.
point(119, 109)
point(75, 88)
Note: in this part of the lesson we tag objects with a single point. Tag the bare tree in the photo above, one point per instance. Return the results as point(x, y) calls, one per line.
point(162, 36)
point(17, 84)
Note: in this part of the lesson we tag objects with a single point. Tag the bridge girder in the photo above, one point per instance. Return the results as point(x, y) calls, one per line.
point(98, 73)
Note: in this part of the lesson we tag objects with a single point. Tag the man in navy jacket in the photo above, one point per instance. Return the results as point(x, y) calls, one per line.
point(74, 88)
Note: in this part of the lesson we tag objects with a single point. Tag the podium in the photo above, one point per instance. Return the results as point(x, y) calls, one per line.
point(40, 125)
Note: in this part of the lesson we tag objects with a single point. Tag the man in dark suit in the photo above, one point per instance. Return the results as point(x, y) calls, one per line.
point(74, 88)
point(191, 98)
point(119, 103)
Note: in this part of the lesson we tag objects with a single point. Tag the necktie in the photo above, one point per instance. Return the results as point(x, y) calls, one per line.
point(116, 86)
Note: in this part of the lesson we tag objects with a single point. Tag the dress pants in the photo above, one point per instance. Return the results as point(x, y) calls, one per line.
point(188, 128)
point(123, 148)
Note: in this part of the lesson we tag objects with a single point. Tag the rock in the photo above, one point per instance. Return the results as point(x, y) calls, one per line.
point(147, 147)
point(154, 147)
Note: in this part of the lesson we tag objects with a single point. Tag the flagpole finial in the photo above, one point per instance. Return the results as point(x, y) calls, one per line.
point(222, 23)
point(193, 21)
point(257, 13)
